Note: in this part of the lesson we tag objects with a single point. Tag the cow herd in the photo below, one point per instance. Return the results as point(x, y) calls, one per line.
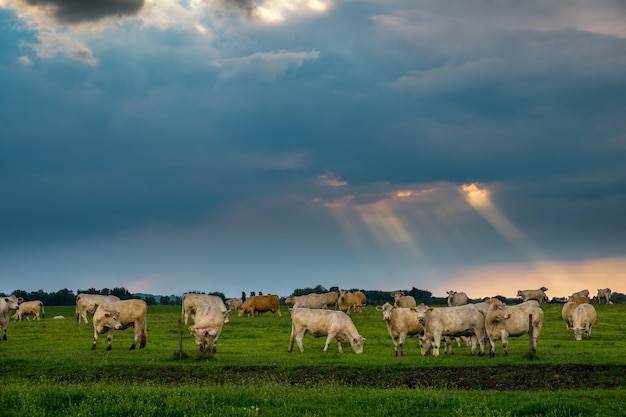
point(473, 323)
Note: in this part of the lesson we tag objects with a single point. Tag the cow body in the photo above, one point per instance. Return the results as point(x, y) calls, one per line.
point(191, 301)
point(260, 304)
point(331, 298)
point(401, 322)
point(29, 308)
point(604, 295)
point(307, 301)
point(7, 305)
point(582, 293)
point(583, 318)
point(120, 315)
point(539, 295)
point(568, 310)
point(351, 301)
point(88, 303)
point(404, 301)
point(318, 323)
point(456, 299)
point(207, 328)
point(502, 322)
point(234, 303)
point(465, 320)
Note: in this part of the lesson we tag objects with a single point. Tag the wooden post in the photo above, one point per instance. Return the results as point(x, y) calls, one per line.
point(530, 332)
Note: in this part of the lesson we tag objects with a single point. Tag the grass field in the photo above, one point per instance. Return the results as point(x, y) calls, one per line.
point(48, 369)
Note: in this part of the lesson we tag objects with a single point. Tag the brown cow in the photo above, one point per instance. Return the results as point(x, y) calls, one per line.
point(351, 300)
point(401, 322)
point(120, 315)
point(318, 323)
point(207, 328)
point(29, 308)
point(191, 301)
point(502, 322)
point(88, 303)
point(7, 304)
point(260, 304)
point(331, 298)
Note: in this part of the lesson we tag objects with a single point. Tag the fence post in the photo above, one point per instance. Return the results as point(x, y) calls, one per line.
point(180, 338)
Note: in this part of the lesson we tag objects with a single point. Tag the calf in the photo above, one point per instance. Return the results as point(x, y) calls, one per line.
point(465, 320)
point(207, 328)
point(583, 318)
point(120, 315)
point(400, 323)
point(318, 323)
point(7, 304)
point(502, 322)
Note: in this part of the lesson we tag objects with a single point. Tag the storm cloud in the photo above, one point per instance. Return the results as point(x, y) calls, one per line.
point(76, 11)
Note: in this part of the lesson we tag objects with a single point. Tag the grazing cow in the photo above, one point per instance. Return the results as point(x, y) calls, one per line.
point(502, 322)
point(88, 303)
point(401, 322)
point(307, 301)
point(465, 320)
point(7, 304)
point(191, 301)
point(208, 325)
point(538, 295)
point(404, 301)
point(330, 323)
point(456, 299)
point(568, 310)
point(361, 301)
point(119, 315)
point(29, 308)
point(583, 318)
point(582, 293)
point(260, 304)
point(234, 303)
point(351, 300)
point(604, 295)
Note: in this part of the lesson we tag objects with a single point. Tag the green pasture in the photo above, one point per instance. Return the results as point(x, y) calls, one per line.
point(49, 369)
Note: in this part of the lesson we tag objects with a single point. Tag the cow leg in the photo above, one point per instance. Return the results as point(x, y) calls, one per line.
point(110, 338)
point(95, 339)
point(505, 345)
point(436, 344)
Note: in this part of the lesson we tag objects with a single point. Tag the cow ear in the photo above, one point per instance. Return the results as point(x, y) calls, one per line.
point(192, 329)
point(429, 309)
point(379, 308)
point(206, 334)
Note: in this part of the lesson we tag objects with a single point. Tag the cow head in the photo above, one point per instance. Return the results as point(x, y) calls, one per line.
point(422, 310)
point(357, 344)
point(425, 344)
point(387, 309)
point(109, 320)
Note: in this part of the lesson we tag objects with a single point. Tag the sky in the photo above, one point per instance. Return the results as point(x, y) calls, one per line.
point(168, 146)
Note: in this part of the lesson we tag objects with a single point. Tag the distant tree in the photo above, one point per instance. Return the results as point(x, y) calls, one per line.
point(150, 300)
point(421, 296)
point(120, 292)
point(165, 300)
point(618, 298)
point(243, 296)
point(252, 294)
point(335, 289)
point(260, 292)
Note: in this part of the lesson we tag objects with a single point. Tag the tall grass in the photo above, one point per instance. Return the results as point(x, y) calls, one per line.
point(47, 368)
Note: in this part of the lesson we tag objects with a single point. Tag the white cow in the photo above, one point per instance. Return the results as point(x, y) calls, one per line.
point(120, 315)
point(191, 301)
point(7, 304)
point(583, 318)
point(29, 308)
point(401, 322)
point(318, 323)
point(307, 301)
point(502, 322)
point(604, 295)
point(465, 320)
point(234, 303)
point(581, 293)
point(207, 328)
point(568, 310)
point(88, 303)
point(457, 298)
point(401, 300)
point(538, 295)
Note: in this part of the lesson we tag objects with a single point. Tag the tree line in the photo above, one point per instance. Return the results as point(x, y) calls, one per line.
point(374, 297)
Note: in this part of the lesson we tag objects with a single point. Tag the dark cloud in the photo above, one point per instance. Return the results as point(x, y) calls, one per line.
point(76, 11)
